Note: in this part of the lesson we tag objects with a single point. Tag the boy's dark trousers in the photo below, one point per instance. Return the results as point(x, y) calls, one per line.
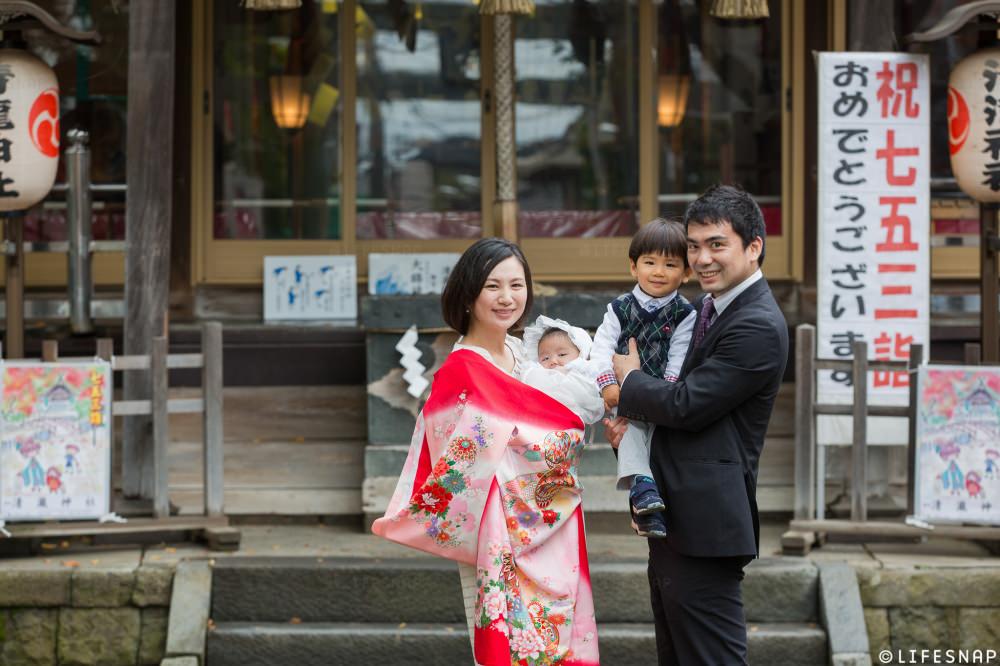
point(697, 607)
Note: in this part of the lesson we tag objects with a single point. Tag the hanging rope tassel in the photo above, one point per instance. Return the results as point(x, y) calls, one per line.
point(520, 7)
point(739, 9)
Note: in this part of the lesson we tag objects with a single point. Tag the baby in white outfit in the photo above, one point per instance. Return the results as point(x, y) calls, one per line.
point(558, 366)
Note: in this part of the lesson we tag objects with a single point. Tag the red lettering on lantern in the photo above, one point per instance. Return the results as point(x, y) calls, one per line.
point(43, 123)
point(958, 121)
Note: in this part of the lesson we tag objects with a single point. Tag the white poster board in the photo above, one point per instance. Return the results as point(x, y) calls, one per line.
point(874, 227)
point(55, 441)
point(405, 274)
point(310, 288)
point(957, 475)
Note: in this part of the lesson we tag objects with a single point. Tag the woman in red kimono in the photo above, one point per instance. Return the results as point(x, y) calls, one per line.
point(491, 478)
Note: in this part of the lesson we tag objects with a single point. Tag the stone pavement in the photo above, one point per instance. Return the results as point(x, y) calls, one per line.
point(316, 540)
point(941, 593)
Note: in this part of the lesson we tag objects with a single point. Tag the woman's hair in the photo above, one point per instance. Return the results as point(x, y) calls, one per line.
point(467, 278)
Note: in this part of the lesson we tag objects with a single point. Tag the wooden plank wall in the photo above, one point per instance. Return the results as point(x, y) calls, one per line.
point(289, 450)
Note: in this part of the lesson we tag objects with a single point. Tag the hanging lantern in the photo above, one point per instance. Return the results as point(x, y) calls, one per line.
point(972, 127)
point(521, 7)
point(268, 5)
point(289, 103)
point(671, 100)
point(29, 129)
point(673, 66)
point(739, 9)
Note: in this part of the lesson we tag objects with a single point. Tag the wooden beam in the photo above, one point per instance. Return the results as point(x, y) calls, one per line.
point(211, 390)
point(870, 26)
point(14, 323)
point(894, 530)
point(150, 140)
point(859, 442)
point(649, 131)
point(805, 421)
point(133, 526)
point(915, 361)
point(989, 288)
point(105, 348)
point(161, 427)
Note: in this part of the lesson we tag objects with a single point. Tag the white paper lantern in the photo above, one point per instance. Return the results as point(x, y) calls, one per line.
point(29, 129)
point(974, 124)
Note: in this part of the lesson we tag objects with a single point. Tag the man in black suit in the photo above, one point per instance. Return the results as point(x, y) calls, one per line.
point(710, 432)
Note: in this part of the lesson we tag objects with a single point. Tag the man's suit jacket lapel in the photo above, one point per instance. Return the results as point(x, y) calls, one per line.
point(751, 294)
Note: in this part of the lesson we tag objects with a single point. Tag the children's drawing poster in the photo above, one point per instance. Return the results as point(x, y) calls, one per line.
point(55, 440)
point(310, 287)
point(413, 273)
point(958, 444)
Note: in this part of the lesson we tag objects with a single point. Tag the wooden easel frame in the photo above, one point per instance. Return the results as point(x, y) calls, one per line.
point(806, 529)
point(212, 526)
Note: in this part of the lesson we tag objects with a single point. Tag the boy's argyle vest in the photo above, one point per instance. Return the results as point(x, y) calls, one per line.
point(652, 330)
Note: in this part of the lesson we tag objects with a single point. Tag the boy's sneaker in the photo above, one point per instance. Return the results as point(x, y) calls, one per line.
point(650, 525)
point(645, 497)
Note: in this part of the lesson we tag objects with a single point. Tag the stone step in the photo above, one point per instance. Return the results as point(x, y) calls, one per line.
point(265, 644)
point(428, 590)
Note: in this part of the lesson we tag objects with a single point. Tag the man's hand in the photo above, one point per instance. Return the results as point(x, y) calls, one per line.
point(610, 394)
point(625, 363)
point(614, 430)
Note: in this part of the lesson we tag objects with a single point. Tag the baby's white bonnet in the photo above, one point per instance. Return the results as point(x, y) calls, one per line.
point(533, 333)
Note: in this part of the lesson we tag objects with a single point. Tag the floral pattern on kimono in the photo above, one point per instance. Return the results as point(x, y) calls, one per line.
point(491, 480)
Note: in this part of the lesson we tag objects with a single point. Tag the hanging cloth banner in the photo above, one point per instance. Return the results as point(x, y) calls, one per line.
point(873, 281)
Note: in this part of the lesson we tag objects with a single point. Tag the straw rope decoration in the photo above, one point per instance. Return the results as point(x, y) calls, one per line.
point(504, 84)
point(268, 5)
point(494, 7)
point(739, 9)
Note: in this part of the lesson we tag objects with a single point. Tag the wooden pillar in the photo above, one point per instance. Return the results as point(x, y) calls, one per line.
point(14, 324)
point(149, 175)
point(211, 392)
point(805, 422)
point(859, 441)
point(870, 26)
point(161, 426)
point(989, 306)
point(649, 147)
point(505, 206)
point(914, 363)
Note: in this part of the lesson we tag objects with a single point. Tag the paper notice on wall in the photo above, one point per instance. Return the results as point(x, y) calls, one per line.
point(310, 288)
point(405, 274)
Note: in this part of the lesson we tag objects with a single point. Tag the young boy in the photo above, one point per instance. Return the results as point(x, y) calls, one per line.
point(661, 321)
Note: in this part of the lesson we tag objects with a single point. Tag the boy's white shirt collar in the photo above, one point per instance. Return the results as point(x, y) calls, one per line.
point(722, 302)
point(649, 303)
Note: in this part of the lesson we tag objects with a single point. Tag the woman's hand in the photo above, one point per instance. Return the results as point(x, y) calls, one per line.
point(614, 430)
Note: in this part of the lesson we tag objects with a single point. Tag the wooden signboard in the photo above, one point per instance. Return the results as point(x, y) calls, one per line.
point(55, 440)
point(957, 468)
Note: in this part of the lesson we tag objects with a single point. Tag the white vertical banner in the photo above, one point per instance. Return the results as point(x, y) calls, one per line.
point(873, 282)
